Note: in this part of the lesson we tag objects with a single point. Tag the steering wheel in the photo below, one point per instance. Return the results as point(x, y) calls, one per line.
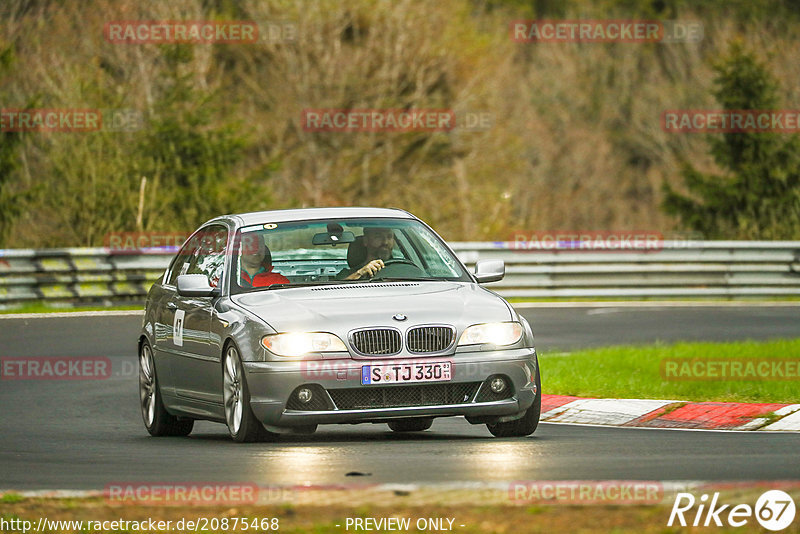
point(395, 261)
point(398, 267)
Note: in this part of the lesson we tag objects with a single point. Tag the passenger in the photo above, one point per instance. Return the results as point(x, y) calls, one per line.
point(257, 265)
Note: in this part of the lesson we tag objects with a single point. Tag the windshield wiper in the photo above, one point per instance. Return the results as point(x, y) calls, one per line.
point(403, 279)
point(276, 286)
point(334, 282)
point(294, 284)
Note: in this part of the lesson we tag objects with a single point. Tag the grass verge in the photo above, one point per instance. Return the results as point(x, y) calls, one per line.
point(471, 512)
point(637, 372)
point(41, 307)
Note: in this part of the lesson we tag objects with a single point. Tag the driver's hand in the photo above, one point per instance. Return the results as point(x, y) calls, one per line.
point(368, 270)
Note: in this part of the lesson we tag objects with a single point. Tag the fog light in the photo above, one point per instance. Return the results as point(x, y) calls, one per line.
point(304, 395)
point(497, 385)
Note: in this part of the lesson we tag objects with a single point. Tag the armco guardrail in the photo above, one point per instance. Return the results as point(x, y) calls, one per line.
point(727, 269)
point(724, 269)
point(77, 274)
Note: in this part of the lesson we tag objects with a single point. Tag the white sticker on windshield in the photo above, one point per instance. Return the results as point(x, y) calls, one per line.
point(177, 328)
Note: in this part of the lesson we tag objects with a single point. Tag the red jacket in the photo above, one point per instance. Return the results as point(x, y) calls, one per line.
point(264, 278)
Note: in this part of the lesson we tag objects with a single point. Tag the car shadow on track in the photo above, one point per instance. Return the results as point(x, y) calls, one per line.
point(353, 436)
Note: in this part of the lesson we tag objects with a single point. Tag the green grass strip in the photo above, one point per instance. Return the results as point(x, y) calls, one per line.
point(637, 372)
point(41, 307)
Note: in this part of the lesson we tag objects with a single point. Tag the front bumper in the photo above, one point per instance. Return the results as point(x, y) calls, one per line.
point(271, 385)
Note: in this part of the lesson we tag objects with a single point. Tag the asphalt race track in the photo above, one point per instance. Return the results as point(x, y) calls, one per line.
point(87, 434)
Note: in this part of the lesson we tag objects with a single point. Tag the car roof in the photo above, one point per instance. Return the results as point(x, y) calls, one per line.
point(305, 214)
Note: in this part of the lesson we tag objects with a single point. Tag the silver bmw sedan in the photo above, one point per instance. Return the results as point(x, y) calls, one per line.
point(278, 321)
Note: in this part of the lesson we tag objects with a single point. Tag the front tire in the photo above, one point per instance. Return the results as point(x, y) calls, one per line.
point(410, 425)
point(157, 420)
point(243, 426)
point(526, 425)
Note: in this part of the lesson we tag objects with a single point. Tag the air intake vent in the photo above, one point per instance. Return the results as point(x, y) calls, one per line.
point(427, 339)
point(377, 341)
point(366, 398)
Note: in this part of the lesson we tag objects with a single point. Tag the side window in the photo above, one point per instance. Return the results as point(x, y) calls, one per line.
point(208, 257)
point(180, 264)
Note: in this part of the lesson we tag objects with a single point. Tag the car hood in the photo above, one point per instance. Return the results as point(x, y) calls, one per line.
point(341, 308)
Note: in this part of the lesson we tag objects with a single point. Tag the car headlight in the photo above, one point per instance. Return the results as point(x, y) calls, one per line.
point(300, 343)
point(493, 333)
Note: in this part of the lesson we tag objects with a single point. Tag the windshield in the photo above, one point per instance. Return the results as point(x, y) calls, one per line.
point(339, 251)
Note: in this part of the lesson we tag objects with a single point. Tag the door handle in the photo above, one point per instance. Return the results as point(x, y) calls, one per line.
point(172, 306)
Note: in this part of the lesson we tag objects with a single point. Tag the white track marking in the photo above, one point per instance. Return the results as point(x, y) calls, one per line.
point(658, 304)
point(790, 422)
point(605, 411)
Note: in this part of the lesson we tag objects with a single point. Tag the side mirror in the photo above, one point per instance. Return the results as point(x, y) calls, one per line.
point(195, 285)
point(489, 270)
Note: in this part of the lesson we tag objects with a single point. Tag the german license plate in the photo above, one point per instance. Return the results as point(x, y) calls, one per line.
point(403, 373)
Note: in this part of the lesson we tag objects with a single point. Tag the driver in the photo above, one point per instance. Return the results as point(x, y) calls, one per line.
point(379, 243)
point(257, 264)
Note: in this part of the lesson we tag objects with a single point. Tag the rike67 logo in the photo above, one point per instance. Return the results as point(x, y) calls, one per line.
point(774, 510)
